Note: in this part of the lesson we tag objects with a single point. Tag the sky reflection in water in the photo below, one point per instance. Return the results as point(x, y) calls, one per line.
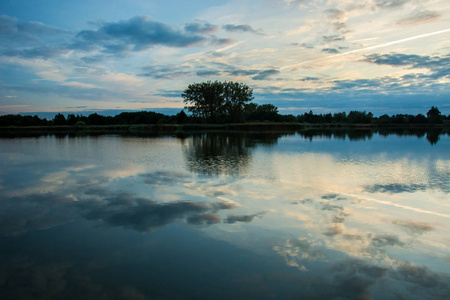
point(262, 216)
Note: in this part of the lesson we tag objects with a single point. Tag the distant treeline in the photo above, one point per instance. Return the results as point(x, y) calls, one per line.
point(433, 116)
point(252, 113)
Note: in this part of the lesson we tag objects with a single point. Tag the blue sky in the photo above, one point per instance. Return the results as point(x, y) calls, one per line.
point(383, 56)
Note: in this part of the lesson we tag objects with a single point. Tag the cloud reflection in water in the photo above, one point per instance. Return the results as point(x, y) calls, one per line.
point(303, 202)
point(145, 215)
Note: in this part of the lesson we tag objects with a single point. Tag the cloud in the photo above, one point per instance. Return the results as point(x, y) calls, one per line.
point(29, 277)
point(240, 28)
point(169, 93)
point(438, 65)
point(332, 207)
point(207, 73)
point(338, 219)
point(390, 3)
point(221, 205)
point(414, 227)
point(330, 50)
point(307, 251)
point(138, 33)
point(353, 266)
point(164, 178)
point(44, 52)
point(309, 79)
point(359, 279)
point(144, 215)
point(241, 72)
point(206, 219)
point(386, 240)
point(201, 27)
point(33, 212)
point(353, 279)
point(241, 218)
point(395, 188)
point(45, 87)
point(340, 26)
point(26, 39)
point(295, 251)
point(165, 71)
point(422, 276)
point(305, 45)
point(397, 59)
point(266, 74)
point(335, 229)
point(177, 71)
point(365, 84)
point(330, 196)
point(16, 30)
point(298, 2)
point(332, 38)
point(335, 14)
point(221, 42)
point(362, 93)
point(421, 17)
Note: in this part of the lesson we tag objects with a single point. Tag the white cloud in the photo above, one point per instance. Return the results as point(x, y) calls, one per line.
point(52, 75)
point(79, 85)
point(323, 39)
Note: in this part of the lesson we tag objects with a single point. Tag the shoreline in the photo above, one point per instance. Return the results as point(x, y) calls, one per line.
point(235, 127)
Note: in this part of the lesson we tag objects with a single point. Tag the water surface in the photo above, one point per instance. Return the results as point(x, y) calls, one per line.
point(225, 216)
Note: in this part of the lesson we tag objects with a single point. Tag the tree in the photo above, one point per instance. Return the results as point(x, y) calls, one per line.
point(236, 95)
point(96, 119)
point(59, 120)
point(217, 101)
point(249, 111)
point(340, 117)
point(264, 112)
point(359, 117)
point(182, 118)
point(71, 119)
point(141, 117)
point(434, 115)
point(267, 112)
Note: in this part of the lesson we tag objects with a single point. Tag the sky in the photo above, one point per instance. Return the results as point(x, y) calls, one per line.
point(109, 56)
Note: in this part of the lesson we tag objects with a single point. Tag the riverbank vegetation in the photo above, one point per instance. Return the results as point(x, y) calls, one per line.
point(219, 103)
point(252, 114)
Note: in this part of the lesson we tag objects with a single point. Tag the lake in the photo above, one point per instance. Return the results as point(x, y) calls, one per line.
point(323, 215)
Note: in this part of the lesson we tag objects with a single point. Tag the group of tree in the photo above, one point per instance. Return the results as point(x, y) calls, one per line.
point(217, 102)
point(125, 118)
point(229, 102)
point(251, 112)
point(19, 120)
point(433, 116)
point(224, 102)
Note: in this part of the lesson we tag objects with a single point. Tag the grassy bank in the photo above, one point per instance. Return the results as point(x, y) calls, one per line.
point(181, 128)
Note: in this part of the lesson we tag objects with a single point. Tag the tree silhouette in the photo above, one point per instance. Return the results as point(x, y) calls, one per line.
point(264, 112)
point(217, 102)
point(182, 118)
point(434, 115)
point(59, 120)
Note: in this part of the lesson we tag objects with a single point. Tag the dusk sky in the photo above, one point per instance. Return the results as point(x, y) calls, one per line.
point(109, 56)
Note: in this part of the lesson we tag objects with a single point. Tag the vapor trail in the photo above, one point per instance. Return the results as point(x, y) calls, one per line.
point(397, 42)
point(371, 47)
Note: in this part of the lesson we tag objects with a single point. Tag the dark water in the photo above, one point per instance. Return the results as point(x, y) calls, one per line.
point(225, 216)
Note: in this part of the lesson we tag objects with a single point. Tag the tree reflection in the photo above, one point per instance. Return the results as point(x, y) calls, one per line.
point(224, 153)
point(432, 135)
point(342, 134)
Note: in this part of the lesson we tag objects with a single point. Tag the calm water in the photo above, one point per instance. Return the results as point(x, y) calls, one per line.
point(225, 216)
